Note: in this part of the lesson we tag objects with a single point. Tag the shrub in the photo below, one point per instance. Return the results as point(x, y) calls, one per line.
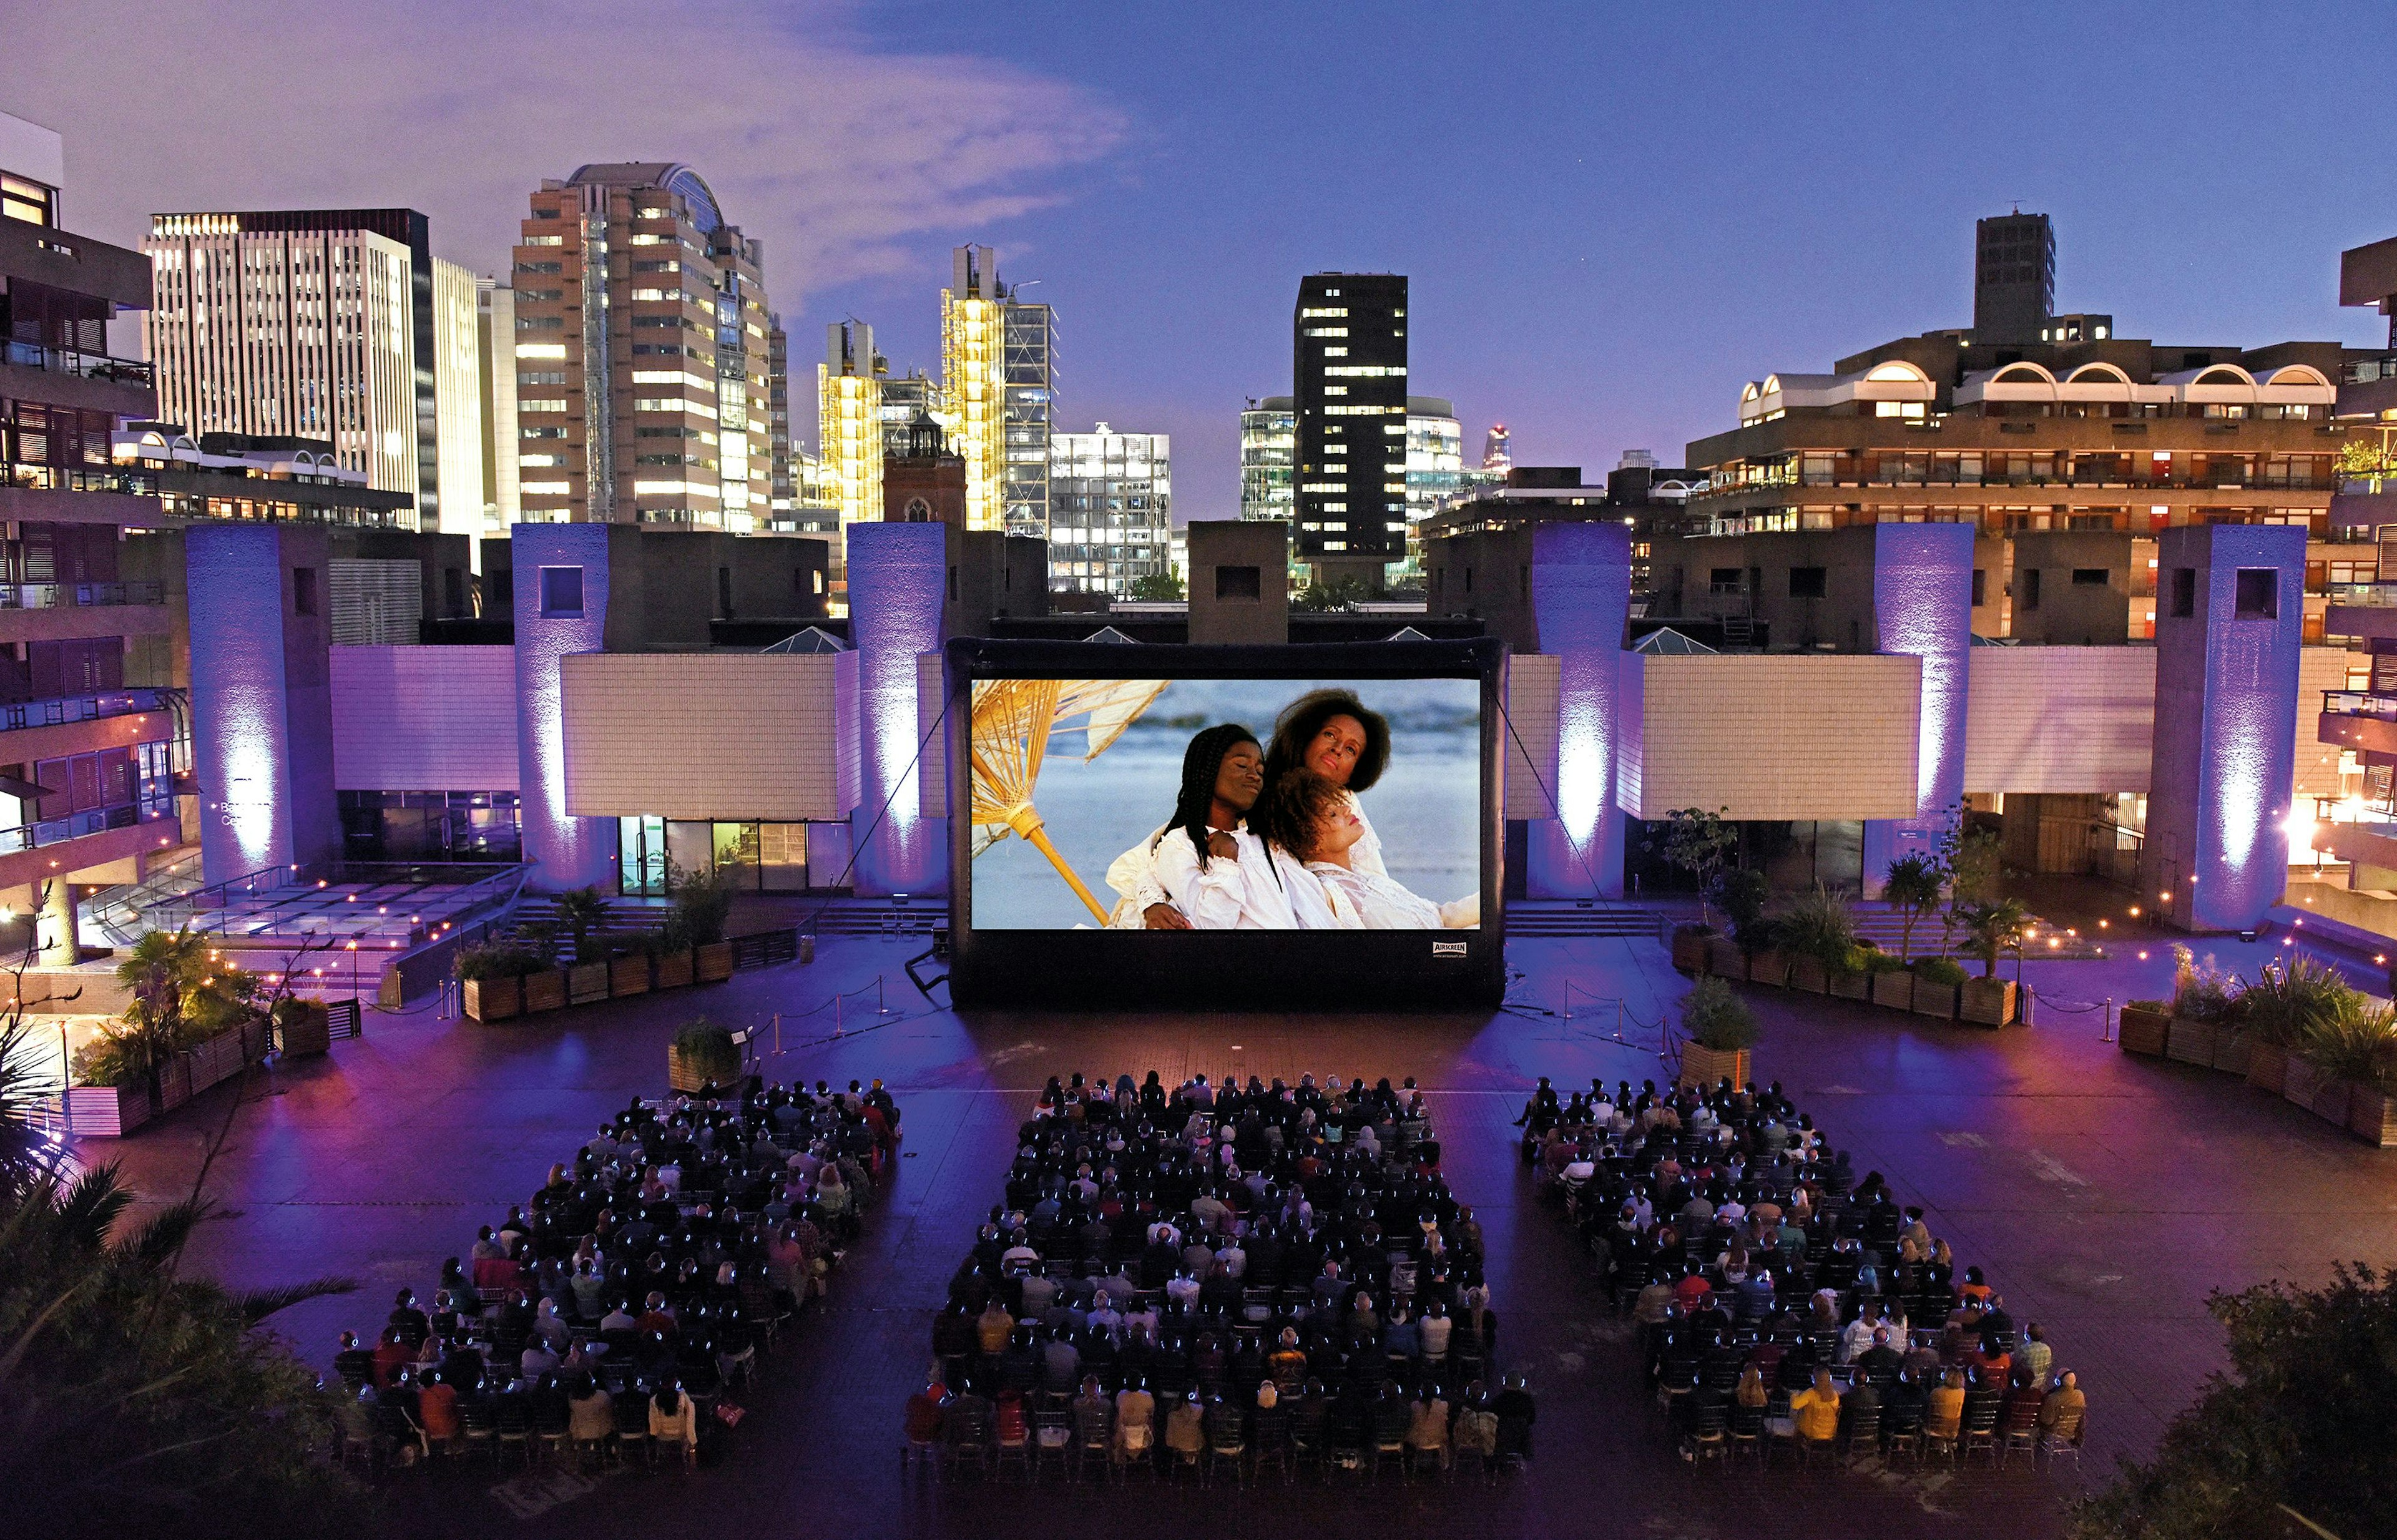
point(2359, 1044)
point(2202, 991)
point(1739, 893)
point(708, 1049)
point(2287, 1002)
point(498, 960)
point(703, 901)
point(1716, 1018)
point(1820, 926)
point(112, 1059)
point(1939, 971)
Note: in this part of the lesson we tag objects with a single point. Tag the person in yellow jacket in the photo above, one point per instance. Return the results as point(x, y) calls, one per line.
point(1815, 1410)
point(1946, 1418)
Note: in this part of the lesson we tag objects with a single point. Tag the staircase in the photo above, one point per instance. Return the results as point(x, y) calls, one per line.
point(537, 914)
point(1543, 918)
point(115, 915)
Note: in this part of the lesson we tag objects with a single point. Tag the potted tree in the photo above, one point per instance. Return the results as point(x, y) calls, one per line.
point(1721, 1030)
point(703, 903)
point(304, 1027)
point(701, 1054)
point(584, 915)
point(1699, 843)
point(1912, 887)
point(1938, 982)
point(2354, 1058)
point(1819, 932)
point(1741, 893)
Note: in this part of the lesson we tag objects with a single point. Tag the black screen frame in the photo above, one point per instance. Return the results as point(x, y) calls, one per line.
point(1246, 970)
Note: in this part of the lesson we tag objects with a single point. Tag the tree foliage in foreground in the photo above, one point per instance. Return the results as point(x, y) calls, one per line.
point(2306, 1417)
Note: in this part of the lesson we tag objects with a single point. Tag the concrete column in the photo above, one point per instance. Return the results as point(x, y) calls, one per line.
point(261, 697)
point(897, 575)
point(1581, 592)
point(56, 924)
point(1922, 608)
point(561, 585)
point(2230, 614)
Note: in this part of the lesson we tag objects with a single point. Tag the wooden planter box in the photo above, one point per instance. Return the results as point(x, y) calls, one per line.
point(2333, 1099)
point(544, 991)
point(494, 999)
point(1725, 960)
point(586, 982)
point(628, 976)
point(174, 1084)
point(1934, 999)
point(2192, 1042)
point(216, 1060)
point(1690, 950)
point(687, 1075)
point(673, 969)
point(1807, 974)
point(2231, 1050)
point(1852, 986)
point(1768, 967)
point(2146, 1032)
point(108, 1112)
point(713, 963)
point(1894, 989)
point(2268, 1066)
point(1986, 1002)
point(2299, 1083)
point(1704, 1067)
point(2372, 1115)
point(308, 1028)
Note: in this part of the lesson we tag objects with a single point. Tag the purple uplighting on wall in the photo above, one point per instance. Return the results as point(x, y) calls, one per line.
point(1922, 608)
point(1581, 591)
point(2225, 750)
point(897, 576)
point(561, 608)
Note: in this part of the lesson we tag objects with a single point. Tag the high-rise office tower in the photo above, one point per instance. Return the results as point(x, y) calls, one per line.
point(973, 381)
point(1496, 453)
point(849, 432)
point(784, 491)
point(1031, 413)
point(329, 324)
point(495, 341)
point(1111, 509)
point(2013, 278)
point(1269, 432)
point(1348, 365)
point(643, 359)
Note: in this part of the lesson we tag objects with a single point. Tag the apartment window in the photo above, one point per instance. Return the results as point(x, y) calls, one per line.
point(2029, 588)
point(1239, 583)
point(2259, 596)
point(1808, 583)
point(2184, 591)
point(1980, 586)
point(303, 590)
point(2089, 577)
point(561, 591)
point(28, 201)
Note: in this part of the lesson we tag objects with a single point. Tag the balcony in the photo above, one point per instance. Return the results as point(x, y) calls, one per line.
point(62, 710)
point(91, 820)
point(2358, 719)
point(78, 478)
point(78, 595)
point(80, 366)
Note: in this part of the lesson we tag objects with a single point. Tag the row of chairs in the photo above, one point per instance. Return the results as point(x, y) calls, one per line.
point(1728, 1433)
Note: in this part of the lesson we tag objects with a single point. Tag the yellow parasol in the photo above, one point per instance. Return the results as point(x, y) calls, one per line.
point(1013, 722)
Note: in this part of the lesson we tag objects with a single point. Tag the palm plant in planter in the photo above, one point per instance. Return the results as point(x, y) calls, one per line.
point(1721, 1029)
point(2208, 1005)
point(2282, 1008)
point(1817, 935)
point(493, 974)
point(2355, 1055)
point(584, 915)
point(703, 1053)
point(1989, 929)
point(703, 903)
point(1740, 893)
point(1912, 889)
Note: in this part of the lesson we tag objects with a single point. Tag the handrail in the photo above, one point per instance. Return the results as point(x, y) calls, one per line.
point(81, 363)
point(59, 710)
point(61, 595)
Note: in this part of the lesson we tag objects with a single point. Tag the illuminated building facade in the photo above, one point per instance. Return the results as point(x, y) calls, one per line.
point(973, 381)
point(495, 338)
point(1348, 371)
point(1268, 436)
point(849, 430)
point(1031, 412)
point(643, 355)
point(335, 324)
point(1110, 522)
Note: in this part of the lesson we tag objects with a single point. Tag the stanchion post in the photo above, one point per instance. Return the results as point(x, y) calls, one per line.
point(2109, 1020)
point(1618, 1018)
point(835, 1015)
point(778, 1033)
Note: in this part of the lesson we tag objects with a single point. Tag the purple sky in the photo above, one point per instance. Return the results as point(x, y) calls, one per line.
point(1611, 217)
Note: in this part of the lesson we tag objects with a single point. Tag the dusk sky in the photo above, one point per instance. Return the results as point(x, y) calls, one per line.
point(1611, 217)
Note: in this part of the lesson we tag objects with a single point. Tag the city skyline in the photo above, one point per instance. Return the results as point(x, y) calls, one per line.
point(1602, 252)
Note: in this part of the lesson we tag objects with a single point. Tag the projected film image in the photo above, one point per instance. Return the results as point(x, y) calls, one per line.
point(1227, 804)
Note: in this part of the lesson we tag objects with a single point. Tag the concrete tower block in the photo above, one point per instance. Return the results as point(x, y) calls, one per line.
point(261, 697)
point(561, 608)
point(2230, 611)
point(1922, 608)
point(897, 574)
point(1581, 593)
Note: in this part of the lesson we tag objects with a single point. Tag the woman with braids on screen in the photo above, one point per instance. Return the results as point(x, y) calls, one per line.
point(1217, 874)
point(1329, 731)
point(1311, 819)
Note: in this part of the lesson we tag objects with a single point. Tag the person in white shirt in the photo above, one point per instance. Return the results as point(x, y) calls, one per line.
point(1232, 881)
point(1307, 815)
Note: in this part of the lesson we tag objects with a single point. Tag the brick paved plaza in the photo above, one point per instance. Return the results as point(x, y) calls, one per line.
point(2105, 1196)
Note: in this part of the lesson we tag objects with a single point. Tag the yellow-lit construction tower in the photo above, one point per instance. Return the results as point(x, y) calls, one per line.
point(973, 381)
point(848, 433)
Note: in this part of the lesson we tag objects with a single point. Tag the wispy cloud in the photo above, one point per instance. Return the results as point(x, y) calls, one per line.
point(842, 156)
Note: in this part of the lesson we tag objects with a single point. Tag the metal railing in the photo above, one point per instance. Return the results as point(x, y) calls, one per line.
point(60, 710)
point(82, 365)
point(2360, 703)
point(58, 831)
point(78, 595)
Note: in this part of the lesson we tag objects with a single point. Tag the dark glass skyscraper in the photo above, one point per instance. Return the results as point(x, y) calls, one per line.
point(1348, 365)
